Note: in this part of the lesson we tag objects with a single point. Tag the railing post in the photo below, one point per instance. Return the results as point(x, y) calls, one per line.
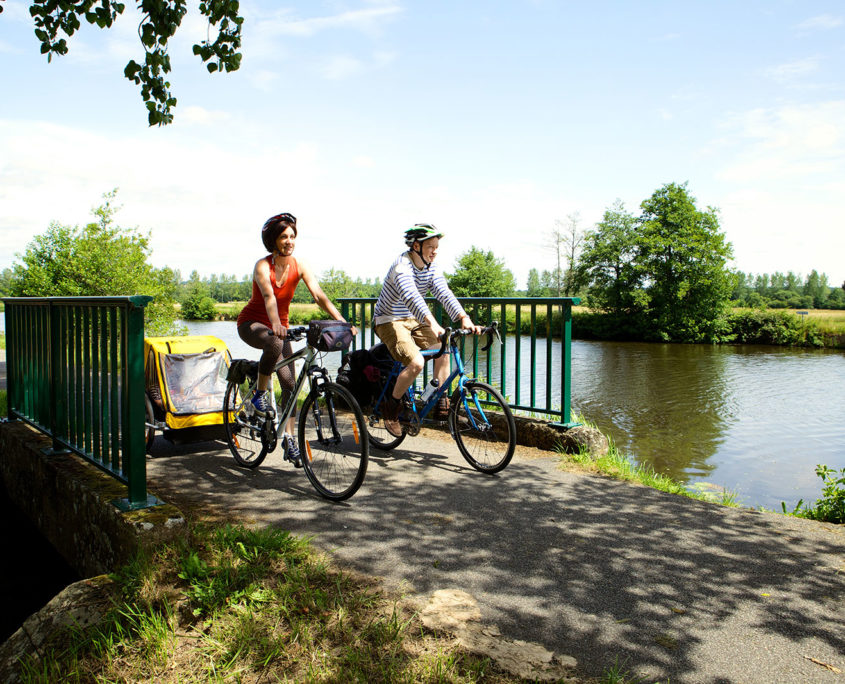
point(566, 363)
point(134, 454)
point(11, 334)
point(58, 409)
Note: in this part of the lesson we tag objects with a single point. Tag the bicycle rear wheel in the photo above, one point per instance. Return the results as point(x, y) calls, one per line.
point(243, 428)
point(485, 433)
point(333, 441)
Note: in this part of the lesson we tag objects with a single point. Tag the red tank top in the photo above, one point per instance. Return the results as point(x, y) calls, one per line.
point(254, 309)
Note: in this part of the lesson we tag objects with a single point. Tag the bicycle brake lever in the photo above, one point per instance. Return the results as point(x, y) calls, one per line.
point(492, 330)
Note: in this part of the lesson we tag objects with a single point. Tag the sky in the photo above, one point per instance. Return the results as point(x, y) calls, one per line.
point(495, 120)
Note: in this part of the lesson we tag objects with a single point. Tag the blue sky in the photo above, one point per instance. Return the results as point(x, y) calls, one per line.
point(492, 120)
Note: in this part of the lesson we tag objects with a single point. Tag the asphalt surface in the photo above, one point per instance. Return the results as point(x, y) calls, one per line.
point(604, 571)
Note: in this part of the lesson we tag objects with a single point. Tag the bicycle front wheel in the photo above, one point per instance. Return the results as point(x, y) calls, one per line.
point(380, 437)
point(243, 428)
point(483, 427)
point(333, 441)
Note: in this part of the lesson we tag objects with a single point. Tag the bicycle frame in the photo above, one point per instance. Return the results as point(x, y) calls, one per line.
point(309, 369)
point(458, 372)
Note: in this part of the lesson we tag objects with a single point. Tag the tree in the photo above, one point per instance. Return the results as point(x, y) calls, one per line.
point(98, 260)
point(683, 257)
point(608, 263)
point(572, 239)
point(336, 283)
point(6, 282)
point(556, 241)
point(57, 20)
point(197, 304)
point(534, 288)
point(481, 274)
point(816, 288)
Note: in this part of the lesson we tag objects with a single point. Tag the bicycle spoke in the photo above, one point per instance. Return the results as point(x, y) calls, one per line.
point(243, 429)
point(486, 437)
point(333, 440)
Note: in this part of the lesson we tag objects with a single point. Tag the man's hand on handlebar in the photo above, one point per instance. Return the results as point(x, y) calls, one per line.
point(467, 324)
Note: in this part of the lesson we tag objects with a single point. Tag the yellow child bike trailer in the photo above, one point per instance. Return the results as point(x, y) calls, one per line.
point(185, 387)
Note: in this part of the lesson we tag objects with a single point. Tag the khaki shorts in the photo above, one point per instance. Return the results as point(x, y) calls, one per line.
point(403, 344)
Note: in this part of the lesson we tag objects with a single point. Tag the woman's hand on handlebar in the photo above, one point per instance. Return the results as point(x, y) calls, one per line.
point(280, 331)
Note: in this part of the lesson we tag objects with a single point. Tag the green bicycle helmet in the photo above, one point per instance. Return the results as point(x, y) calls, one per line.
point(421, 232)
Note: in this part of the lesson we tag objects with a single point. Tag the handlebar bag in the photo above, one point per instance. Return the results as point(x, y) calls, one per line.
point(330, 335)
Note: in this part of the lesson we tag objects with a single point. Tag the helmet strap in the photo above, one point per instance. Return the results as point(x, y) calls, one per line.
point(419, 253)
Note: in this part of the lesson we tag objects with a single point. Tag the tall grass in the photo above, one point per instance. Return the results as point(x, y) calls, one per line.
point(241, 604)
point(617, 465)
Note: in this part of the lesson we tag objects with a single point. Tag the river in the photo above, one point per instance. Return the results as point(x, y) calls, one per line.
point(753, 420)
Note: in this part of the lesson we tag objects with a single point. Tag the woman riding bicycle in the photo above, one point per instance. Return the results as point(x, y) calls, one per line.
point(263, 322)
point(405, 324)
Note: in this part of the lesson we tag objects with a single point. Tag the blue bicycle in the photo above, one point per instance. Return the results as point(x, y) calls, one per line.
point(479, 419)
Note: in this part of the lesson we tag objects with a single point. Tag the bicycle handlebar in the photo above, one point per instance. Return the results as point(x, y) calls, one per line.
point(449, 335)
point(295, 333)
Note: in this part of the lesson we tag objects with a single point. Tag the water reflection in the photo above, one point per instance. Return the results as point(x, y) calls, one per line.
point(667, 404)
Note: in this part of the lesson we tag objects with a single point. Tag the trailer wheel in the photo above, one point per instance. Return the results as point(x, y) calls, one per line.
point(151, 432)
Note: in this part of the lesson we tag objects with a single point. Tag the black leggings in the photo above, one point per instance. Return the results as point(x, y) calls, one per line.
point(273, 349)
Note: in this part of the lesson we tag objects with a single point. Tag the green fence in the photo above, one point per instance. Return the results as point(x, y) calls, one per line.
point(75, 371)
point(539, 336)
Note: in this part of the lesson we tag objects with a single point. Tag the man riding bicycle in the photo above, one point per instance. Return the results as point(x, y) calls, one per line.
point(403, 320)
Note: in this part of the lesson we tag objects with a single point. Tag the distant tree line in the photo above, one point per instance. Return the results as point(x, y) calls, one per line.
point(789, 291)
point(658, 274)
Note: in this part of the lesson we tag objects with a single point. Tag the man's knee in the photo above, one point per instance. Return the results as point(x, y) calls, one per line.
point(415, 365)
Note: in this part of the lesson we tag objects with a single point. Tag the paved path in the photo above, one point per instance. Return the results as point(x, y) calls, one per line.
point(587, 566)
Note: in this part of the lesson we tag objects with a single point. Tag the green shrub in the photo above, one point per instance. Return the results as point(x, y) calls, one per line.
point(831, 507)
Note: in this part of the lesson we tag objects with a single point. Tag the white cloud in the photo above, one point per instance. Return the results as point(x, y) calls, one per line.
point(17, 11)
point(367, 20)
point(345, 66)
point(341, 66)
point(263, 79)
point(821, 22)
point(785, 207)
point(772, 231)
point(792, 70)
point(790, 142)
point(201, 116)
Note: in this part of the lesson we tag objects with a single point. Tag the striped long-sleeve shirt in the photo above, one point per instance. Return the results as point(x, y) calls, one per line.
point(404, 289)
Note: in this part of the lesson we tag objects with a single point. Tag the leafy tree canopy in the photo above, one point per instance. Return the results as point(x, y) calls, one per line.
point(481, 274)
point(98, 260)
point(684, 256)
point(607, 262)
point(666, 269)
point(57, 20)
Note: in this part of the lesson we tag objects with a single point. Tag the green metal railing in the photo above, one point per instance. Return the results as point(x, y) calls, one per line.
point(534, 327)
point(75, 371)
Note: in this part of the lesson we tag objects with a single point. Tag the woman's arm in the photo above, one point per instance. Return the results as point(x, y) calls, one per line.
point(317, 293)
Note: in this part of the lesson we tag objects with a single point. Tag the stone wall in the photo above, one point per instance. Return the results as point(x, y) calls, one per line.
point(71, 502)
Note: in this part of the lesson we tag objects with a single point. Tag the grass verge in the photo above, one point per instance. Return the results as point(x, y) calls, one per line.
point(240, 604)
point(617, 465)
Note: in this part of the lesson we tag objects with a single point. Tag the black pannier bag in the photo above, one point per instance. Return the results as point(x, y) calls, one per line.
point(241, 369)
point(329, 335)
point(364, 371)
